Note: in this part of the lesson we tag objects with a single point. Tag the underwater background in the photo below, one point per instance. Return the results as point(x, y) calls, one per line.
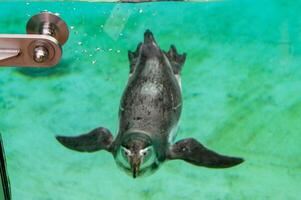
point(241, 91)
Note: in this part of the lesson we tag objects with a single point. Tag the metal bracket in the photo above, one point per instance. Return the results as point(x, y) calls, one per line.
point(40, 47)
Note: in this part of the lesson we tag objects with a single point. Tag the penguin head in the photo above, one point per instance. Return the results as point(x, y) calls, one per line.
point(136, 155)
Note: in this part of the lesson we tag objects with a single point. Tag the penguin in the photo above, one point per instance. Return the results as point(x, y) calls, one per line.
point(149, 113)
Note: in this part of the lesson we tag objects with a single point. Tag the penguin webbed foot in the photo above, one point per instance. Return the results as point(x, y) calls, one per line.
point(97, 139)
point(190, 150)
point(176, 60)
point(133, 57)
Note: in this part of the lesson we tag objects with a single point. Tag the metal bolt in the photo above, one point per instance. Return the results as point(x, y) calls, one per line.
point(47, 29)
point(40, 54)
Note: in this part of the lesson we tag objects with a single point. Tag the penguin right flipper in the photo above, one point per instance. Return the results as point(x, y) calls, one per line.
point(176, 60)
point(97, 139)
point(190, 150)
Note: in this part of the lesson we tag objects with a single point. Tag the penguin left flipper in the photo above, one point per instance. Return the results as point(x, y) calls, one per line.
point(190, 150)
point(97, 139)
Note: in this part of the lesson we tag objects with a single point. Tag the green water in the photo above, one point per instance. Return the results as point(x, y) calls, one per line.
point(241, 87)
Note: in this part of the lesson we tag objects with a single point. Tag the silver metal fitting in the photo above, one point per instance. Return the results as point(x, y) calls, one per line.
point(40, 54)
point(40, 47)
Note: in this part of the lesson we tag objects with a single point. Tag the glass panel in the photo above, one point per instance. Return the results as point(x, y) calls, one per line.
point(241, 86)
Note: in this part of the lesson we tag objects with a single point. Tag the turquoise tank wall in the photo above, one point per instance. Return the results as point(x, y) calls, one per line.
point(241, 87)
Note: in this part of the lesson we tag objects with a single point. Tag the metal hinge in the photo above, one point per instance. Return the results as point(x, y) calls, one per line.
point(40, 47)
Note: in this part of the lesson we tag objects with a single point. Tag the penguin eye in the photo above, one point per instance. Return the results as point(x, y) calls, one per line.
point(126, 152)
point(147, 154)
point(122, 158)
point(144, 152)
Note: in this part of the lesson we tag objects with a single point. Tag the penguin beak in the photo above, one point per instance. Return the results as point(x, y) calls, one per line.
point(135, 165)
